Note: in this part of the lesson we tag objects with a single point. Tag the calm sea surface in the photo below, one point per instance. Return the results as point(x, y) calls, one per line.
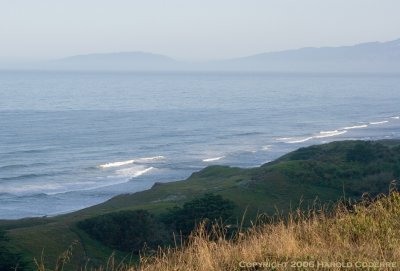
point(71, 140)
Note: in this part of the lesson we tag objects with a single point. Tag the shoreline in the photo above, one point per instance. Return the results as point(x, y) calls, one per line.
point(344, 132)
point(156, 185)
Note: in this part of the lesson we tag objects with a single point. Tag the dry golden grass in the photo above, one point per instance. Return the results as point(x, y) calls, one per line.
point(368, 233)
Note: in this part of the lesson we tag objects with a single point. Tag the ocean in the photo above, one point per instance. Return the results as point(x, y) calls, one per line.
point(69, 140)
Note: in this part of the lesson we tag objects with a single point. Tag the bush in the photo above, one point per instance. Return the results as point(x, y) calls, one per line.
point(209, 207)
point(10, 260)
point(133, 230)
point(126, 230)
point(362, 152)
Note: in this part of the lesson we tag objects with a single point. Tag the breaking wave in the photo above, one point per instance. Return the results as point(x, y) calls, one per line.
point(298, 140)
point(329, 134)
point(322, 134)
point(213, 159)
point(154, 158)
point(379, 122)
point(134, 172)
point(117, 164)
point(355, 127)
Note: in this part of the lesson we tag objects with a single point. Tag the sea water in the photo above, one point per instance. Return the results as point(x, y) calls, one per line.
point(69, 140)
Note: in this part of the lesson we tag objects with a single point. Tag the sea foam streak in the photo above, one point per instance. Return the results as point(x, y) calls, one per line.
point(134, 171)
point(322, 134)
point(299, 140)
point(379, 122)
point(329, 134)
point(266, 147)
point(117, 164)
point(159, 157)
point(40, 187)
point(284, 138)
point(355, 127)
point(213, 159)
point(292, 140)
point(396, 117)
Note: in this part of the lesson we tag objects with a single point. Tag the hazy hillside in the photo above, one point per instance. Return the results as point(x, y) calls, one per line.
point(383, 57)
point(123, 61)
point(364, 57)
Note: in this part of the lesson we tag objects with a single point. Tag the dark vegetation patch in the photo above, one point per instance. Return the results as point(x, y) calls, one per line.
point(133, 230)
point(9, 259)
point(354, 166)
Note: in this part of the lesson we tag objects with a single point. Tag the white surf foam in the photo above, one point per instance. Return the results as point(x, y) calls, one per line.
point(299, 140)
point(117, 164)
point(134, 171)
point(154, 158)
point(31, 188)
point(329, 134)
point(266, 148)
point(284, 138)
point(322, 134)
point(396, 117)
point(213, 159)
point(355, 127)
point(379, 122)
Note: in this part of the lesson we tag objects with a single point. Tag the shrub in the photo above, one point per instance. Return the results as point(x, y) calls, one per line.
point(126, 230)
point(209, 207)
point(10, 260)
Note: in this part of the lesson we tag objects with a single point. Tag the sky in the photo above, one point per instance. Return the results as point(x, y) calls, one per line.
point(187, 29)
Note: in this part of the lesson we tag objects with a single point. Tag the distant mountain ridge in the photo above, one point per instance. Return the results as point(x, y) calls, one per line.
point(363, 57)
point(116, 61)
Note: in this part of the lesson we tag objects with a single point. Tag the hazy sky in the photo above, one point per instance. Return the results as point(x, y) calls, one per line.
point(188, 29)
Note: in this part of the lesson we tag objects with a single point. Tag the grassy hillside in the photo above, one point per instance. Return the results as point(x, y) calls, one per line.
point(365, 237)
point(324, 172)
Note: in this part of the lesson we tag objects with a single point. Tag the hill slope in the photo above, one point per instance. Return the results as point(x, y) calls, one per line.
point(365, 238)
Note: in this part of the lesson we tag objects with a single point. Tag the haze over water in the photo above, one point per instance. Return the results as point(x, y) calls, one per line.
point(69, 140)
